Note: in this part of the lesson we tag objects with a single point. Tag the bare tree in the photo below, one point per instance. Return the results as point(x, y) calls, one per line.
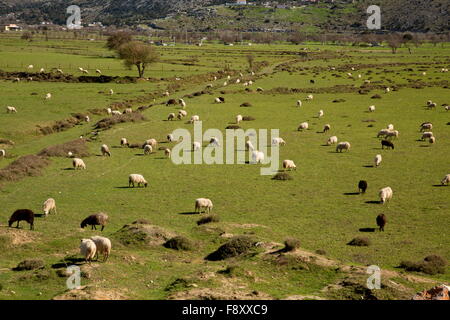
point(137, 54)
point(117, 39)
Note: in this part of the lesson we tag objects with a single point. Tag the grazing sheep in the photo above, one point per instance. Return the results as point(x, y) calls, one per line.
point(203, 204)
point(42, 70)
point(10, 109)
point(151, 142)
point(137, 179)
point(171, 116)
point(372, 109)
point(148, 149)
point(2, 153)
point(87, 119)
point(170, 138)
point(320, 114)
point(238, 118)
point(432, 140)
point(196, 146)
point(257, 156)
point(88, 249)
point(289, 165)
point(310, 97)
point(249, 145)
point(381, 221)
point(446, 108)
point(238, 81)
point(105, 150)
point(214, 141)
point(383, 133)
point(111, 92)
point(109, 111)
point(70, 154)
point(103, 246)
point(390, 127)
point(303, 126)
point(124, 142)
point(22, 215)
point(128, 111)
point(393, 133)
point(432, 105)
point(194, 118)
point(426, 126)
point(182, 113)
point(278, 142)
point(78, 164)
point(16, 80)
point(446, 180)
point(30, 66)
point(385, 194)
point(167, 152)
point(387, 90)
point(85, 71)
point(98, 219)
point(378, 160)
point(332, 140)
point(48, 96)
point(225, 83)
point(98, 71)
point(116, 113)
point(299, 103)
point(427, 135)
point(343, 146)
point(326, 128)
point(387, 143)
point(362, 186)
point(49, 205)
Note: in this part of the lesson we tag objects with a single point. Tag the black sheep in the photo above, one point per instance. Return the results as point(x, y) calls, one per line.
point(386, 143)
point(22, 214)
point(95, 220)
point(381, 221)
point(362, 186)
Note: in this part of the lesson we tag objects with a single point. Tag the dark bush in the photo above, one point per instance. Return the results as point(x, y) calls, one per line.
point(377, 96)
point(432, 264)
point(360, 242)
point(30, 264)
point(236, 246)
point(246, 104)
point(26, 166)
point(282, 176)
point(208, 219)
point(290, 244)
point(78, 147)
point(179, 243)
point(128, 117)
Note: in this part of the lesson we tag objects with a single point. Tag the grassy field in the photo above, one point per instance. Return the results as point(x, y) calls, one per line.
point(317, 207)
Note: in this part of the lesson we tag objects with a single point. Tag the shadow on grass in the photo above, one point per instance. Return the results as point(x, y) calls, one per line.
point(369, 166)
point(66, 169)
point(439, 185)
point(351, 194)
point(367, 230)
point(68, 262)
point(373, 202)
point(187, 213)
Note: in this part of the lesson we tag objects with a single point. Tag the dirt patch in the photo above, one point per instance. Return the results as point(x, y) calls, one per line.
point(223, 293)
point(78, 148)
point(10, 237)
point(89, 293)
point(111, 121)
point(26, 166)
point(138, 234)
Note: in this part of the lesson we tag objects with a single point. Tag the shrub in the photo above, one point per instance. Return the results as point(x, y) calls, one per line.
point(128, 117)
point(282, 176)
point(432, 264)
point(179, 243)
point(321, 252)
point(377, 96)
point(360, 242)
point(30, 264)
point(78, 147)
point(6, 141)
point(208, 219)
point(236, 246)
point(290, 244)
point(30, 165)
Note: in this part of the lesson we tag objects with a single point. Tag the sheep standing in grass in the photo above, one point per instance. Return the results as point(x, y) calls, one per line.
point(182, 113)
point(148, 149)
point(98, 71)
point(432, 140)
point(392, 134)
point(299, 103)
point(22, 215)
point(388, 144)
point(128, 111)
point(385, 194)
point(105, 150)
point(378, 160)
point(390, 127)
point(88, 249)
point(138, 179)
point(109, 111)
point(446, 108)
point(48, 96)
point(289, 165)
point(320, 114)
point(426, 126)
point(116, 113)
point(103, 246)
point(326, 128)
point(124, 142)
point(332, 140)
point(372, 109)
point(167, 152)
point(381, 221)
point(151, 142)
point(257, 156)
point(343, 146)
point(170, 138)
point(310, 97)
point(383, 133)
point(303, 126)
point(194, 119)
point(203, 204)
point(427, 135)
point(98, 219)
point(78, 164)
point(10, 109)
point(278, 142)
point(446, 180)
point(49, 205)
point(171, 116)
point(2, 153)
point(238, 118)
point(182, 103)
point(111, 92)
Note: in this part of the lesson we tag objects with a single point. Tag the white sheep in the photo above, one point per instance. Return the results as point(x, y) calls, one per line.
point(257, 156)
point(182, 113)
point(49, 205)
point(378, 160)
point(2, 153)
point(371, 108)
point(196, 146)
point(343, 146)
point(171, 116)
point(10, 109)
point(387, 90)
point(148, 149)
point(385, 194)
point(182, 103)
point(238, 81)
point(383, 132)
point(320, 114)
point(390, 127)
point(109, 111)
point(446, 108)
point(217, 100)
point(249, 145)
point(446, 180)
point(42, 70)
point(278, 142)
point(59, 71)
point(170, 138)
point(426, 126)
point(214, 142)
point(310, 97)
point(194, 118)
point(116, 113)
point(299, 103)
point(87, 119)
point(88, 249)
point(432, 140)
point(303, 126)
point(332, 140)
point(128, 111)
point(203, 204)
point(138, 179)
point(105, 150)
point(238, 118)
point(111, 92)
point(124, 142)
point(103, 246)
point(167, 152)
point(98, 71)
point(70, 154)
point(48, 96)
point(16, 80)
point(151, 142)
point(393, 133)
point(427, 135)
point(78, 164)
point(289, 164)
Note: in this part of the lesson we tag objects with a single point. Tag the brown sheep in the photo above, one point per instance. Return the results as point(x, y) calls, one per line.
point(22, 214)
point(381, 221)
point(95, 220)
